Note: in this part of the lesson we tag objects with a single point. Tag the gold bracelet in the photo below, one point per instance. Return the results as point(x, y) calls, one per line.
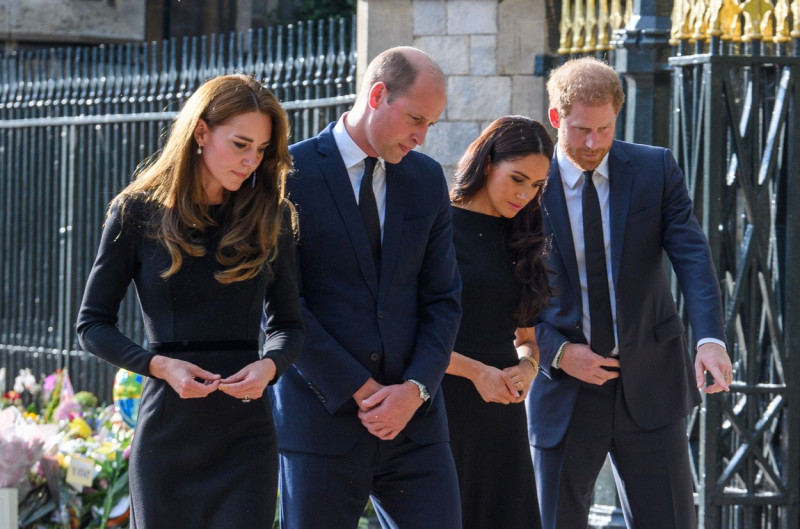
point(532, 361)
point(560, 353)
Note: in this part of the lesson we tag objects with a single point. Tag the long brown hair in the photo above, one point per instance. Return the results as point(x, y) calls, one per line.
point(507, 139)
point(171, 180)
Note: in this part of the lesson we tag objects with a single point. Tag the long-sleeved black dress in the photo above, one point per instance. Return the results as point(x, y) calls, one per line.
point(195, 463)
point(489, 440)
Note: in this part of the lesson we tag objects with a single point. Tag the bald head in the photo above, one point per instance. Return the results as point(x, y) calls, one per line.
point(399, 68)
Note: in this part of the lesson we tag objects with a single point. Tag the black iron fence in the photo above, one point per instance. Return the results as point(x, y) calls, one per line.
point(735, 130)
point(74, 124)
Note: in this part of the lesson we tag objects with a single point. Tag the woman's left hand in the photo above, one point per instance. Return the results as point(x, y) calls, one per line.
point(250, 381)
point(522, 376)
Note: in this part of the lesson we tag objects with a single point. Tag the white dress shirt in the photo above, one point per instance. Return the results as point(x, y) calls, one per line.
point(572, 182)
point(353, 158)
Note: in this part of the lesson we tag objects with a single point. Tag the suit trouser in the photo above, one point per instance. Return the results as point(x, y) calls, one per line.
point(651, 467)
point(411, 486)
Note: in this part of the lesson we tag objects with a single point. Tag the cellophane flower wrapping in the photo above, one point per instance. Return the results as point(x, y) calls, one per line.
point(22, 444)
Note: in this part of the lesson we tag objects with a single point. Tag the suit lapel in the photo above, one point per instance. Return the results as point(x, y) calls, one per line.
point(557, 215)
point(335, 173)
point(396, 189)
point(620, 184)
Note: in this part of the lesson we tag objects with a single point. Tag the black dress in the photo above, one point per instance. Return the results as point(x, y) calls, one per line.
point(489, 440)
point(195, 463)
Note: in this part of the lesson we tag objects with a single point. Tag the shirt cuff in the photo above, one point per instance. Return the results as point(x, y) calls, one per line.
point(711, 340)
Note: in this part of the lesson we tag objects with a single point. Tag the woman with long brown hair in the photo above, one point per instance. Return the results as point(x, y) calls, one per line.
point(499, 240)
point(206, 235)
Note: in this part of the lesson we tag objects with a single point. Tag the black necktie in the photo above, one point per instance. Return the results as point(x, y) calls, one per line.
point(369, 208)
point(602, 325)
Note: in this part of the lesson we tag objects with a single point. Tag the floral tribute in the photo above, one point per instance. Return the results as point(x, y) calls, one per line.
point(67, 456)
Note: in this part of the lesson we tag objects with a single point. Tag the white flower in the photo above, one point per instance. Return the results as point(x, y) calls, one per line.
point(19, 382)
point(25, 381)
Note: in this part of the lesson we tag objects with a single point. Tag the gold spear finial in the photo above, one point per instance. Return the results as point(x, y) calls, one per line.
point(603, 30)
point(729, 20)
point(578, 26)
point(565, 29)
point(590, 27)
point(781, 14)
point(754, 12)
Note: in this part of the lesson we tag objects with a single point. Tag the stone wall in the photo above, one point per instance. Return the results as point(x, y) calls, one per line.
point(485, 47)
point(80, 21)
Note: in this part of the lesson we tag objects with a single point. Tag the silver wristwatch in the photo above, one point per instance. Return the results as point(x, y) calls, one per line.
point(424, 394)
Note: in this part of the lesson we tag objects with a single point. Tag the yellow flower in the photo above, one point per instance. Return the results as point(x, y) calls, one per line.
point(32, 416)
point(79, 428)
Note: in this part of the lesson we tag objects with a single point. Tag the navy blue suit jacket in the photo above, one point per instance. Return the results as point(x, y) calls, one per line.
point(358, 326)
point(650, 213)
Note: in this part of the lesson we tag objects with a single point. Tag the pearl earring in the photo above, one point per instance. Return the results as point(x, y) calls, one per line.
point(199, 149)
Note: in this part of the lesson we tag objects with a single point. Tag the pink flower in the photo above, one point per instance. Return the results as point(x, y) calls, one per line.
point(67, 409)
point(49, 383)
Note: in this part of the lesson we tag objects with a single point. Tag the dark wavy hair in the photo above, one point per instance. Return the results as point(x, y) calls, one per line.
point(506, 139)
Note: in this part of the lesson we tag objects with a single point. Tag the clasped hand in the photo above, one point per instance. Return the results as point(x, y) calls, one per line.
point(385, 410)
point(504, 386)
point(191, 382)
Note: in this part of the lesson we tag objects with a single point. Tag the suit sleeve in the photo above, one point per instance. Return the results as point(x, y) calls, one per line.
point(439, 300)
point(334, 373)
point(688, 251)
point(283, 324)
point(112, 272)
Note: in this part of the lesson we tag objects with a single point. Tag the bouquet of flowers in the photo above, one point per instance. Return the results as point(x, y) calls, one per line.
point(68, 457)
point(22, 444)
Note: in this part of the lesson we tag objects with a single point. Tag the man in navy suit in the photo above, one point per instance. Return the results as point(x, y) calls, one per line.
point(619, 379)
point(360, 414)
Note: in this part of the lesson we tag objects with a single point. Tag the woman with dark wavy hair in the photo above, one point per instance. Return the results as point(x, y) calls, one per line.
point(206, 235)
point(499, 240)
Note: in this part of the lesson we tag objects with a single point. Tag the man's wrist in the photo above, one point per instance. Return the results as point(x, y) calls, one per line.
point(560, 355)
point(424, 394)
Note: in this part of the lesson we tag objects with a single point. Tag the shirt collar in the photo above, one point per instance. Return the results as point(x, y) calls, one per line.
point(351, 153)
point(571, 173)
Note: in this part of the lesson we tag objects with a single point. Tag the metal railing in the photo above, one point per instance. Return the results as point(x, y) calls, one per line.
point(735, 128)
point(735, 132)
point(74, 124)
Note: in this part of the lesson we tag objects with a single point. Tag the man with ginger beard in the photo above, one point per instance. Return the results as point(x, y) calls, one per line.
point(619, 379)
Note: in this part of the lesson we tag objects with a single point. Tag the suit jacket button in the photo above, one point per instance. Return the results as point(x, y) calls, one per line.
point(374, 357)
point(380, 314)
point(577, 324)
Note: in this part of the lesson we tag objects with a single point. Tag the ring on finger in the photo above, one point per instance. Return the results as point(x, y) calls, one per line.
point(246, 399)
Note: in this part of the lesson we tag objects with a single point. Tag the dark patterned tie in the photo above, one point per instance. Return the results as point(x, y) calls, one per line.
point(602, 325)
point(369, 208)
